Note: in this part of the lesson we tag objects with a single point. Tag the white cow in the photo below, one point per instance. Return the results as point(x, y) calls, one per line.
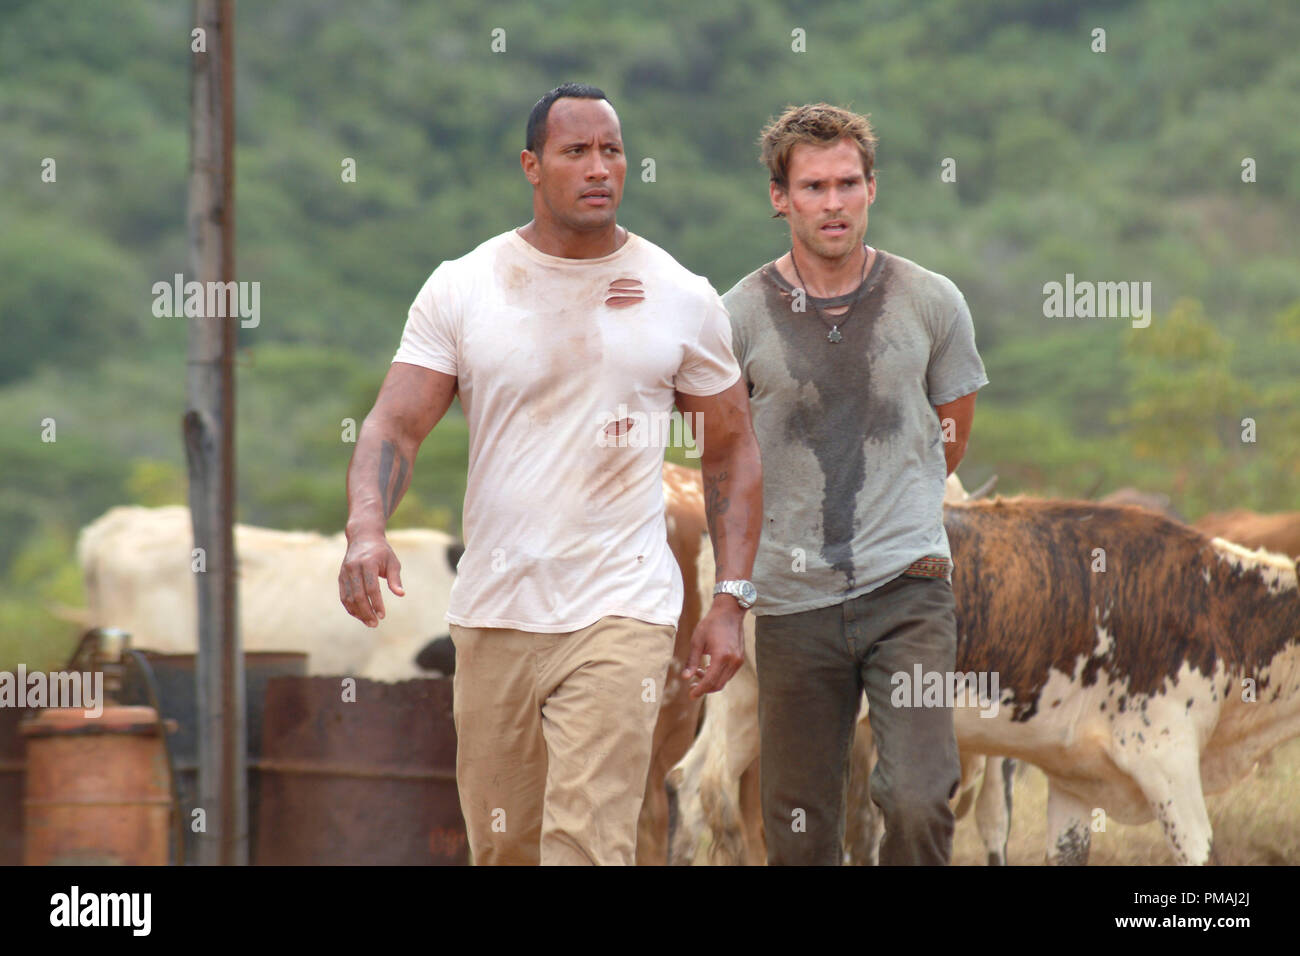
point(137, 563)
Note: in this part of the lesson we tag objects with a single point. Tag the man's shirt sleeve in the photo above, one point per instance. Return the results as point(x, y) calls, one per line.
point(430, 336)
point(955, 368)
point(708, 366)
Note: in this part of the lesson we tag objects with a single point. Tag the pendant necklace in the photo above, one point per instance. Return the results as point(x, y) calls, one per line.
point(834, 336)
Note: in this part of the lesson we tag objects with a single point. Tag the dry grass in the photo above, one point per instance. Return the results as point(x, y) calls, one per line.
point(1256, 822)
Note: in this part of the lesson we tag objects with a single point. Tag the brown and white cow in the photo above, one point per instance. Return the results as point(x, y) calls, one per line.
point(1141, 663)
point(1138, 688)
point(1278, 532)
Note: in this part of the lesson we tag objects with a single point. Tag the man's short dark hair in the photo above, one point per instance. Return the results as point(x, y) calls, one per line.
point(535, 137)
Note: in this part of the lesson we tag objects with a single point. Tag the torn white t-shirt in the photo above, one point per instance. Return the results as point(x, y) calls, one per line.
point(566, 370)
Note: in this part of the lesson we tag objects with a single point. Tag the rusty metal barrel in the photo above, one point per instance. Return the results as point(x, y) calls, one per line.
point(12, 764)
point(364, 781)
point(98, 789)
point(174, 675)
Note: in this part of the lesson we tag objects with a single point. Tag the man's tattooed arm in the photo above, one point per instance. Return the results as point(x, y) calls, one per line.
point(411, 401)
point(716, 501)
point(379, 476)
point(391, 491)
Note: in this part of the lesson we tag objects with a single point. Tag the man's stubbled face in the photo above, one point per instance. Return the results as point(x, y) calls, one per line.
point(582, 168)
point(827, 199)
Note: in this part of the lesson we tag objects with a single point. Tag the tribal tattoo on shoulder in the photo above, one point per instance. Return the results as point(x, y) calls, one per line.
point(389, 490)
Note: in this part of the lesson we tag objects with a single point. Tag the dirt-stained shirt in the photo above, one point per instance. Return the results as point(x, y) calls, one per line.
point(852, 448)
point(566, 370)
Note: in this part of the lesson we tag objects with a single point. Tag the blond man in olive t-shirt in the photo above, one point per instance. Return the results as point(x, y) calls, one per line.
point(862, 372)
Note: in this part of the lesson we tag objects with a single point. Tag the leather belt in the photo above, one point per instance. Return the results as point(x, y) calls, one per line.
point(931, 566)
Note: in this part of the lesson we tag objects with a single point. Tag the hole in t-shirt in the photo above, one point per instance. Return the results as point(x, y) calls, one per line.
point(619, 427)
point(624, 293)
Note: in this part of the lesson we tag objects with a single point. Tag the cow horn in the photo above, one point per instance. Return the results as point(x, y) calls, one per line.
point(984, 489)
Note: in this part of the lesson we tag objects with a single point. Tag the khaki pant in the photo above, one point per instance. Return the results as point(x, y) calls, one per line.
point(553, 738)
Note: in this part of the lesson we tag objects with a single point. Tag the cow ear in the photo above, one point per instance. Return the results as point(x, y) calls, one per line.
point(454, 552)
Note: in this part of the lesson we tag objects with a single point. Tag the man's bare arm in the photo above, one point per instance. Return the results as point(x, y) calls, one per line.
point(411, 401)
point(961, 412)
point(733, 506)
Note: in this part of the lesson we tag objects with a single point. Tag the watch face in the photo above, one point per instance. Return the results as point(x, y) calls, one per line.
point(748, 593)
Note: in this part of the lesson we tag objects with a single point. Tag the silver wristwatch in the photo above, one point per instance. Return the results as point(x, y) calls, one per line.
point(743, 591)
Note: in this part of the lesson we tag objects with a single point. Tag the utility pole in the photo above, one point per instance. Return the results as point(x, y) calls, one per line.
point(209, 429)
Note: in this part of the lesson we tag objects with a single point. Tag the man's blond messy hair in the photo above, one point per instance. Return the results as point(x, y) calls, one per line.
point(818, 124)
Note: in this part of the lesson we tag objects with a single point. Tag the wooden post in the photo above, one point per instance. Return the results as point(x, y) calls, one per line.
point(209, 428)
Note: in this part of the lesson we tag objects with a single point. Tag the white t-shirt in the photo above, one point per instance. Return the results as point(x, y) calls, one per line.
point(564, 519)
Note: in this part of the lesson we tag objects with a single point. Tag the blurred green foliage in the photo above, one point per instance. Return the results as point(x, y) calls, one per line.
point(1123, 165)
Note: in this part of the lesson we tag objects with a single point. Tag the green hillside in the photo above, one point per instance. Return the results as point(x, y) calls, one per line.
point(1118, 165)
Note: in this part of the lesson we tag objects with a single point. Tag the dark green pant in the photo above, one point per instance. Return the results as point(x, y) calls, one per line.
point(812, 669)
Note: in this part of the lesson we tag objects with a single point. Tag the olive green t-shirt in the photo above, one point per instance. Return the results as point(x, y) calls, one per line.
point(852, 448)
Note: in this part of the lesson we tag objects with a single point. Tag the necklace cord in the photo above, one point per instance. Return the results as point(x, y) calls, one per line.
point(834, 334)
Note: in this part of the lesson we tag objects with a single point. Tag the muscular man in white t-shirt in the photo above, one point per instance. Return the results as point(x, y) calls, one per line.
point(563, 338)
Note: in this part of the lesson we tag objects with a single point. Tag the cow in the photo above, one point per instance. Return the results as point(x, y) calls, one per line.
point(1151, 500)
point(679, 714)
point(137, 566)
point(1274, 532)
point(1278, 532)
point(1142, 664)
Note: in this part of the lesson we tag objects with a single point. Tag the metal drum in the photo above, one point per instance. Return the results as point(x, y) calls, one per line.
point(174, 674)
point(370, 781)
point(98, 791)
point(12, 763)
